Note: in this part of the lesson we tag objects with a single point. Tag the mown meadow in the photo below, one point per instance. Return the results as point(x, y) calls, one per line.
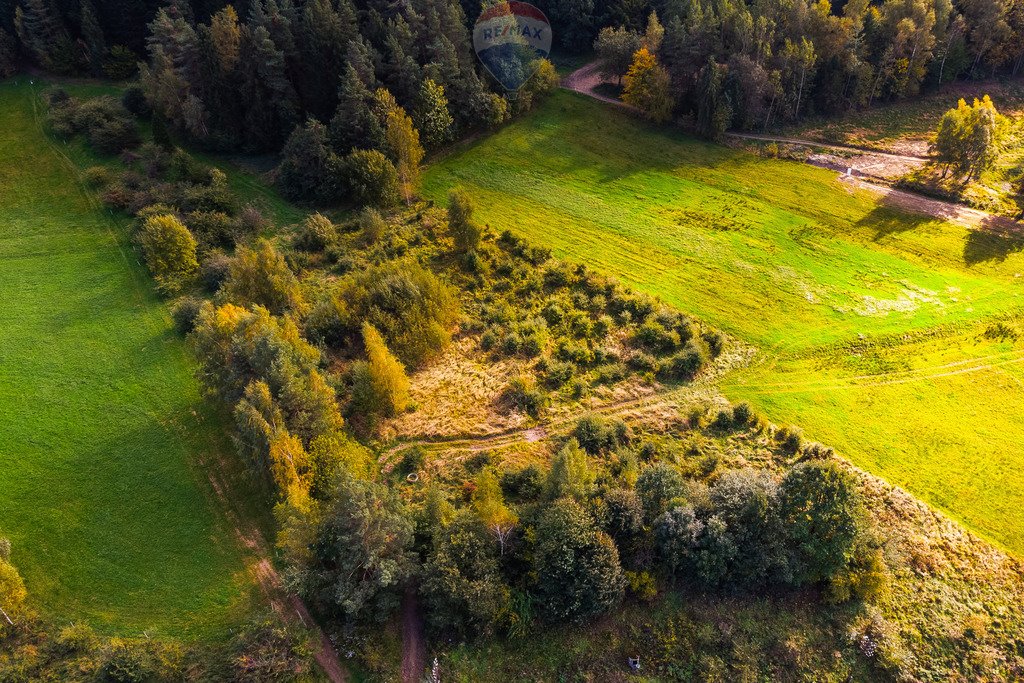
point(105, 443)
point(874, 327)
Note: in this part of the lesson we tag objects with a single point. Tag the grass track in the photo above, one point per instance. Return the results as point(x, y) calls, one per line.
point(101, 424)
point(785, 257)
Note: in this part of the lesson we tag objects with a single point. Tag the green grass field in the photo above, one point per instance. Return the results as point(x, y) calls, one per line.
point(102, 428)
point(829, 284)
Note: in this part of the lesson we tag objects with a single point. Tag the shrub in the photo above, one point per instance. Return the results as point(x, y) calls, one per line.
point(723, 421)
point(653, 336)
point(742, 415)
point(822, 514)
point(642, 585)
point(577, 567)
point(523, 485)
point(462, 586)
point(97, 176)
point(574, 352)
point(108, 126)
point(789, 439)
point(558, 373)
point(372, 225)
point(185, 313)
point(169, 250)
point(409, 305)
point(657, 486)
point(372, 179)
point(624, 519)
point(316, 232)
point(134, 100)
point(214, 270)
point(522, 394)
point(597, 434)
point(260, 276)
point(251, 221)
point(715, 342)
point(643, 362)
point(465, 231)
point(683, 365)
point(380, 385)
point(120, 63)
point(570, 474)
point(212, 228)
point(309, 169)
point(817, 451)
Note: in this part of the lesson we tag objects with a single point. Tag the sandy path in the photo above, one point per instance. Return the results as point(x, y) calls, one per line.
point(585, 79)
point(827, 145)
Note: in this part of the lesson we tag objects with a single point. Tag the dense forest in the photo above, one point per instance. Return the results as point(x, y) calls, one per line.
point(246, 76)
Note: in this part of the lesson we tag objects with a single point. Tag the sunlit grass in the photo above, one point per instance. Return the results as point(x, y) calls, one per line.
point(786, 257)
point(103, 434)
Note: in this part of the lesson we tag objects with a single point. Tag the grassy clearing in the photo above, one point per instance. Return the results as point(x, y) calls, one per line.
point(783, 256)
point(891, 125)
point(102, 429)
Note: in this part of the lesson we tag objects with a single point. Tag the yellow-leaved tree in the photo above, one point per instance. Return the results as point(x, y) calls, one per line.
point(404, 141)
point(382, 387)
point(489, 503)
point(647, 86)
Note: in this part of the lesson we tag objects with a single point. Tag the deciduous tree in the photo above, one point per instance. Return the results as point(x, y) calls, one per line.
point(647, 87)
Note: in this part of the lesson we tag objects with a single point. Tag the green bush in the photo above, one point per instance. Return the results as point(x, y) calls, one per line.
point(97, 176)
point(789, 439)
point(523, 485)
point(315, 233)
point(371, 179)
point(598, 434)
point(169, 250)
point(185, 312)
point(522, 393)
point(684, 365)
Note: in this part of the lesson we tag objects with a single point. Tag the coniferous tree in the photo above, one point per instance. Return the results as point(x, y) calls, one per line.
point(465, 231)
point(354, 124)
point(269, 99)
point(92, 36)
point(42, 32)
point(433, 119)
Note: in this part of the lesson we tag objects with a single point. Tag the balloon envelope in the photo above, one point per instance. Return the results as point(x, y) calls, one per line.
point(511, 38)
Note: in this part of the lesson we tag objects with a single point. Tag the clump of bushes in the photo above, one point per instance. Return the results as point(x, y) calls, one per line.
point(597, 434)
point(104, 121)
point(522, 394)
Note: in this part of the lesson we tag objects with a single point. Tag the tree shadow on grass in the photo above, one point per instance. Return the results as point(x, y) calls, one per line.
point(993, 241)
point(888, 219)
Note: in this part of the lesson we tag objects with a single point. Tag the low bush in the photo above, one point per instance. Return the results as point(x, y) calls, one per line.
point(522, 394)
point(170, 251)
point(683, 365)
point(789, 439)
point(597, 434)
point(185, 312)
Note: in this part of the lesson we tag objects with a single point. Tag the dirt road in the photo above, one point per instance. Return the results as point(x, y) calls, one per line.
point(826, 145)
point(414, 650)
point(585, 81)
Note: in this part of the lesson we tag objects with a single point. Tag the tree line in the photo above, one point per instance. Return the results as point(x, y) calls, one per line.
point(755, 65)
